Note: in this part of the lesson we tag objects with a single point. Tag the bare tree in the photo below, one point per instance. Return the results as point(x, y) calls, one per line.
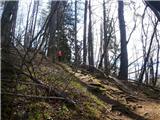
point(147, 56)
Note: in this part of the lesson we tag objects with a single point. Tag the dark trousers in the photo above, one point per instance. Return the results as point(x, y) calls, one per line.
point(59, 58)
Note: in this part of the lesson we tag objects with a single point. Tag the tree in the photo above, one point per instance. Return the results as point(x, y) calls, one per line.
point(61, 27)
point(106, 39)
point(158, 50)
point(75, 37)
point(26, 39)
point(123, 73)
point(8, 22)
point(154, 5)
point(84, 33)
point(90, 38)
point(52, 30)
point(147, 56)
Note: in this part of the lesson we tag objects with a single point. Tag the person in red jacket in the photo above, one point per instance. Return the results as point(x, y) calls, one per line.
point(59, 55)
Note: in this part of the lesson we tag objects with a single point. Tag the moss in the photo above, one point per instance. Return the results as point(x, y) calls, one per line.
point(39, 111)
point(91, 110)
point(77, 85)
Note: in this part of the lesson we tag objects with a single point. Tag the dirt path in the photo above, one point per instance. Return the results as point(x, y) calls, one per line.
point(150, 109)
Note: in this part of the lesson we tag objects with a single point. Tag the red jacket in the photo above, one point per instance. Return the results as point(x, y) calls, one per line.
point(59, 53)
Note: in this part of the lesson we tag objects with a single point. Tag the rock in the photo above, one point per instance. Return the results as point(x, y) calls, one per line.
point(139, 106)
point(146, 114)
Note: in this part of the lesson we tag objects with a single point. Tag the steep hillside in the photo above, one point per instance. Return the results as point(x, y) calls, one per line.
point(63, 93)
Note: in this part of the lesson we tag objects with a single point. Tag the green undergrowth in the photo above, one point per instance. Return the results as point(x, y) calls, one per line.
point(87, 106)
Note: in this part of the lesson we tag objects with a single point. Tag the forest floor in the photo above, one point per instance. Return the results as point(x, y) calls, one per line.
point(142, 103)
point(95, 97)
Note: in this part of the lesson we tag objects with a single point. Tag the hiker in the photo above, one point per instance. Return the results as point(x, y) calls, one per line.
point(59, 55)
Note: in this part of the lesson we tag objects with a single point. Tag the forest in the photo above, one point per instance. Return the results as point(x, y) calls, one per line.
point(80, 60)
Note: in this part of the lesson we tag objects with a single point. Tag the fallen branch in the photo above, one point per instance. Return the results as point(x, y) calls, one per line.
point(34, 97)
point(51, 90)
point(22, 82)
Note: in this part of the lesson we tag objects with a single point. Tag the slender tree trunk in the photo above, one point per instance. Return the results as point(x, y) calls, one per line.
point(35, 19)
point(26, 40)
point(147, 57)
point(123, 73)
point(84, 33)
point(75, 37)
point(152, 78)
point(106, 40)
point(158, 50)
point(101, 48)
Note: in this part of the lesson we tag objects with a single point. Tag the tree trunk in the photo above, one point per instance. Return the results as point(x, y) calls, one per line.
point(106, 40)
point(84, 34)
point(90, 39)
point(152, 78)
point(101, 48)
point(52, 29)
point(158, 50)
point(8, 22)
point(123, 73)
point(26, 39)
point(75, 37)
